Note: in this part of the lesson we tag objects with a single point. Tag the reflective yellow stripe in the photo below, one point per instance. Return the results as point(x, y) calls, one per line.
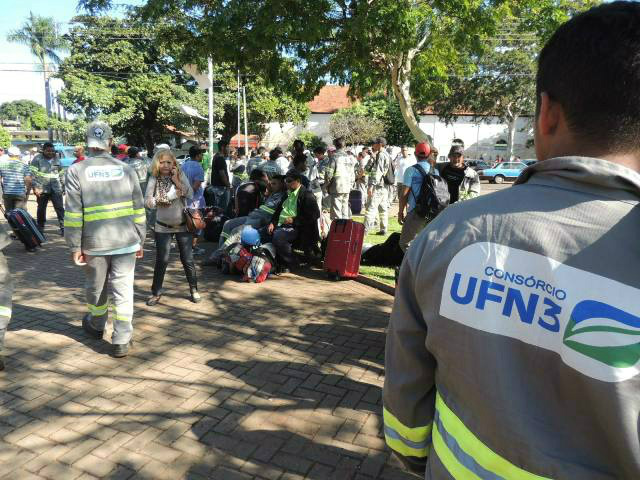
point(72, 224)
point(126, 212)
point(98, 310)
point(138, 211)
point(264, 208)
point(5, 312)
point(472, 447)
point(141, 219)
point(109, 207)
point(69, 214)
point(122, 318)
point(455, 468)
point(407, 441)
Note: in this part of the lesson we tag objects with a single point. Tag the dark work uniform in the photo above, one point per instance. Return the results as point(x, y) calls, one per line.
point(454, 178)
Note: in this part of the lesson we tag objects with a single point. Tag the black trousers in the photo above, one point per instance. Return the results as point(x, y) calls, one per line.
point(58, 205)
point(163, 250)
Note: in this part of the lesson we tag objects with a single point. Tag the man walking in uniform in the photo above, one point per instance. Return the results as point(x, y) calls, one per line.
point(378, 193)
point(512, 350)
point(47, 185)
point(105, 229)
point(338, 179)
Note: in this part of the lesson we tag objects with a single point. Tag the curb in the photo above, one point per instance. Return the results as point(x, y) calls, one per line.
point(383, 287)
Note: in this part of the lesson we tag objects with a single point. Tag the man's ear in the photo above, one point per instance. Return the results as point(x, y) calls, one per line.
point(549, 116)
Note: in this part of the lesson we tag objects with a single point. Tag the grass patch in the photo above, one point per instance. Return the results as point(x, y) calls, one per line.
point(382, 274)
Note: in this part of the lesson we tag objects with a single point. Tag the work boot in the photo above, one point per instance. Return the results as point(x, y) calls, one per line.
point(120, 351)
point(92, 332)
point(195, 296)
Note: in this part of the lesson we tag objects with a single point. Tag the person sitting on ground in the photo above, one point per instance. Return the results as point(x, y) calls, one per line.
point(258, 218)
point(300, 165)
point(249, 195)
point(295, 219)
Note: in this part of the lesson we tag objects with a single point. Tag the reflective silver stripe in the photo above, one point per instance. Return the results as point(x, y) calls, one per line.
point(417, 445)
point(464, 458)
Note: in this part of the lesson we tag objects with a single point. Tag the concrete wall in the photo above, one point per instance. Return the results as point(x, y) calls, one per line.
point(479, 138)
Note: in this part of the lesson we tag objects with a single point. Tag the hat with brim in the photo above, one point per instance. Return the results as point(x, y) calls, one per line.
point(13, 152)
point(98, 135)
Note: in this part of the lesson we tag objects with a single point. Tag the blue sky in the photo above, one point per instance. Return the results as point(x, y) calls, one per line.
point(18, 85)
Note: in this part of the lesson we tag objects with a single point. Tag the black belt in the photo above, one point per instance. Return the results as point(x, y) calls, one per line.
point(162, 224)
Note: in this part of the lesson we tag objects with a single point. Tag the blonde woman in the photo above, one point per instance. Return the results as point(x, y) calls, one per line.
point(167, 191)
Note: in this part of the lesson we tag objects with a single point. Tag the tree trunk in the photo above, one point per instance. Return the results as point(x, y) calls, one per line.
point(47, 99)
point(401, 84)
point(513, 121)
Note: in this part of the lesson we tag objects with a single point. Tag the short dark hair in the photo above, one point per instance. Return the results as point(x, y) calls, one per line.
point(299, 143)
point(274, 154)
point(47, 145)
point(320, 149)
point(591, 66)
point(299, 158)
point(133, 152)
point(294, 175)
point(338, 143)
point(256, 174)
point(278, 177)
point(261, 149)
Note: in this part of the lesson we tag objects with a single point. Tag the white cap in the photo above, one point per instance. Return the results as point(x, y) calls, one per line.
point(162, 146)
point(14, 152)
point(98, 135)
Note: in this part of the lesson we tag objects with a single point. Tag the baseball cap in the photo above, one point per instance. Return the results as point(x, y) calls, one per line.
point(162, 146)
point(122, 147)
point(13, 152)
point(98, 135)
point(380, 140)
point(456, 150)
point(194, 151)
point(423, 149)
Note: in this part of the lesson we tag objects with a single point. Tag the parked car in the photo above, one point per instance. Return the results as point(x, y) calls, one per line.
point(479, 165)
point(66, 155)
point(502, 172)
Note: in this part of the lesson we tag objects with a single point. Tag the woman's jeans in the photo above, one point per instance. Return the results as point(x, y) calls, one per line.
point(163, 249)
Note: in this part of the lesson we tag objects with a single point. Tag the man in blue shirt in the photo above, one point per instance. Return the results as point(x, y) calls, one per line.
point(15, 178)
point(194, 172)
point(412, 223)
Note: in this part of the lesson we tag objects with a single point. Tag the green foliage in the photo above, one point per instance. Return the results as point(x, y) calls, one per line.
point(5, 138)
point(387, 110)
point(355, 125)
point(42, 36)
point(137, 86)
point(311, 141)
point(411, 48)
point(29, 113)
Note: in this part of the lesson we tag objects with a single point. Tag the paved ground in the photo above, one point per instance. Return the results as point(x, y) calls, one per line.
point(274, 381)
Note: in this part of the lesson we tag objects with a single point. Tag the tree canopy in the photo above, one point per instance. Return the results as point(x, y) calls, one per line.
point(31, 114)
point(410, 48)
point(5, 138)
point(119, 71)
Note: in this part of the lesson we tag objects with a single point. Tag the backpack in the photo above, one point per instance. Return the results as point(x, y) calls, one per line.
point(390, 177)
point(433, 197)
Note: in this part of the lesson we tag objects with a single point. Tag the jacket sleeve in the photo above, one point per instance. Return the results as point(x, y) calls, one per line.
point(34, 167)
point(276, 215)
point(149, 197)
point(310, 213)
point(329, 173)
point(139, 213)
point(379, 169)
point(474, 187)
point(73, 211)
point(409, 388)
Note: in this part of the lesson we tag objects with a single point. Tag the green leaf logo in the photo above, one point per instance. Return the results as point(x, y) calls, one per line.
point(604, 333)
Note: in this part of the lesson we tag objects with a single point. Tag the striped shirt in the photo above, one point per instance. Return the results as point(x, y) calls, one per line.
point(12, 173)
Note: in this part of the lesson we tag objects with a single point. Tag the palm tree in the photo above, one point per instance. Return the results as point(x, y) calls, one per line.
point(42, 36)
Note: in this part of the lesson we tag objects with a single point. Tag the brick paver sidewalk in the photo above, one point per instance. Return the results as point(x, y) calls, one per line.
point(274, 381)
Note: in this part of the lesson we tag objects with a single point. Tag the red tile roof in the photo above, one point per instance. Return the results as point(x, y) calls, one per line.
point(330, 99)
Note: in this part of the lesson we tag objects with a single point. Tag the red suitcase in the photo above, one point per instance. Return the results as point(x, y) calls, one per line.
point(344, 249)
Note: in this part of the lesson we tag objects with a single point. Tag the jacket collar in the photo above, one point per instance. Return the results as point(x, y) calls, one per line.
point(601, 176)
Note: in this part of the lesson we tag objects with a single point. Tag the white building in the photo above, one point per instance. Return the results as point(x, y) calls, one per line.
point(487, 138)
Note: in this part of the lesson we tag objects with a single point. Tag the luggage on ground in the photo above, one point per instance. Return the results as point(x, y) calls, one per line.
point(25, 228)
point(387, 254)
point(213, 226)
point(355, 202)
point(344, 249)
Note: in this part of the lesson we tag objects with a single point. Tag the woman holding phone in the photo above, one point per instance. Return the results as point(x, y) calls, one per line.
point(168, 191)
